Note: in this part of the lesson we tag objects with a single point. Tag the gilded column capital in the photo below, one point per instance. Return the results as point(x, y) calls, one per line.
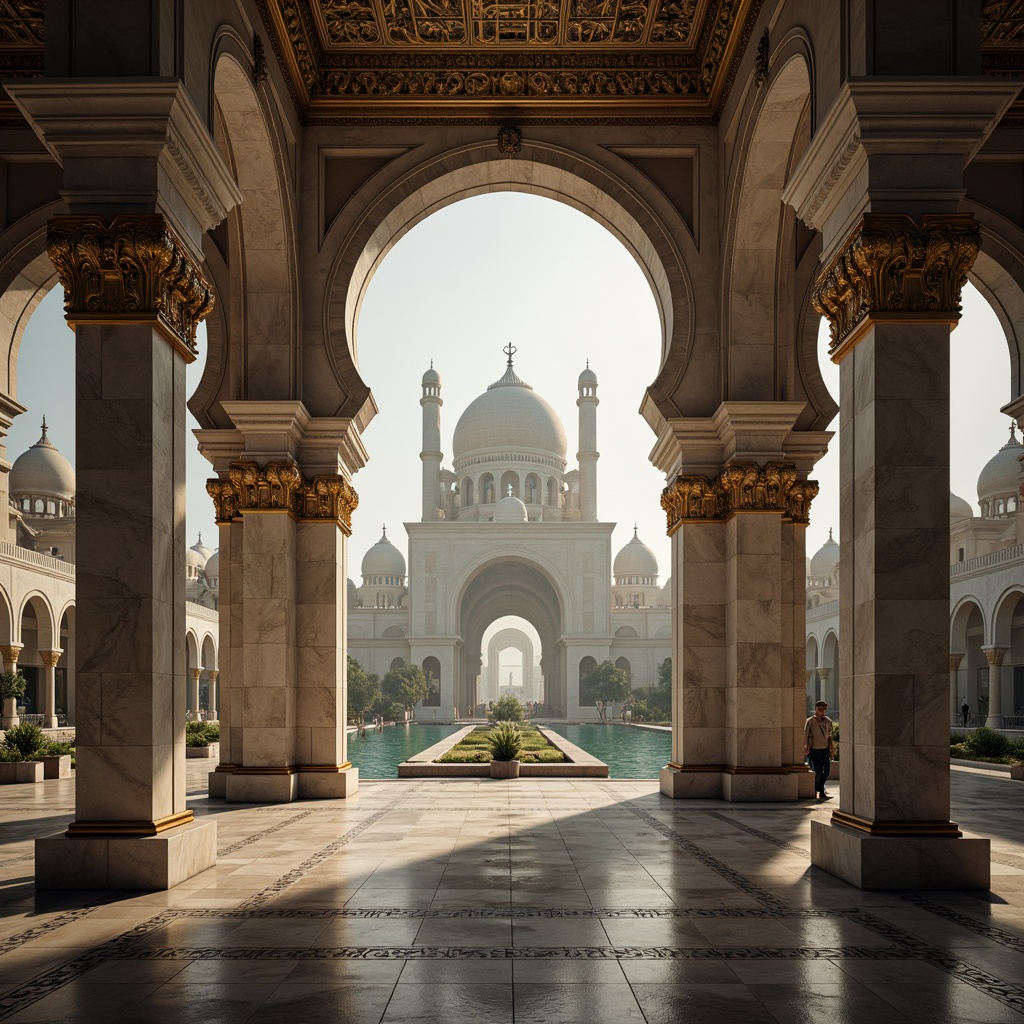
point(994, 655)
point(893, 268)
point(740, 487)
point(280, 487)
point(329, 498)
point(133, 270)
point(213, 673)
point(51, 657)
point(195, 673)
point(11, 653)
point(955, 657)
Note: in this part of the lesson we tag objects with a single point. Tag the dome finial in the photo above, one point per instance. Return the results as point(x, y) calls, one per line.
point(510, 350)
point(830, 533)
point(635, 534)
point(383, 533)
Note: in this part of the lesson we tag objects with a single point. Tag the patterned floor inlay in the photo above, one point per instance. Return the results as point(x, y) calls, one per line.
point(439, 884)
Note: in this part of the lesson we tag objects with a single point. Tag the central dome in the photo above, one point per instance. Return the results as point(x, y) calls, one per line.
point(509, 418)
point(42, 471)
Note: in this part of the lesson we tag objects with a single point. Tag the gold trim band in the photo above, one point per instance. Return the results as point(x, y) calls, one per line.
point(898, 829)
point(285, 770)
point(733, 769)
point(92, 829)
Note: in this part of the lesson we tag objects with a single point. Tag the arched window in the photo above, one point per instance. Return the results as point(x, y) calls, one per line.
point(487, 489)
point(623, 663)
point(532, 489)
point(587, 664)
point(467, 491)
point(396, 663)
point(552, 492)
point(509, 479)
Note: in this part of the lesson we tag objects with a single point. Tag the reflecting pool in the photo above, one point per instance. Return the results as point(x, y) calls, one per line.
point(378, 753)
point(629, 753)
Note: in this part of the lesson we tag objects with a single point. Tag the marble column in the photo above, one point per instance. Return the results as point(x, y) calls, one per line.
point(284, 508)
point(955, 699)
point(739, 681)
point(10, 717)
point(214, 701)
point(50, 659)
point(823, 691)
point(994, 656)
point(193, 692)
point(135, 225)
point(892, 828)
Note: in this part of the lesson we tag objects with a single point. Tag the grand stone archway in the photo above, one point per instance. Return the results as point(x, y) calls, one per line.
point(691, 132)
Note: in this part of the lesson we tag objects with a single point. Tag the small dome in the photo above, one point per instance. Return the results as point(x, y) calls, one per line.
point(431, 376)
point(213, 565)
point(353, 594)
point(826, 558)
point(42, 472)
point(635, 559)
point(510, 510)
point(509, 415)
point(959, 509)
point(588, 376)
point(204, 553)
point(383, 559)
point(999, 477)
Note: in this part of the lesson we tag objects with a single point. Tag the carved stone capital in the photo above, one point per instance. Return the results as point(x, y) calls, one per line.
point(10, 654)
point(195, 673)
point(213, 673)
point(994, 655)
point(133, 270)
point(51, 657)
point(280, 487)
point(740, 487)
point(894, 268)
point(955, 657)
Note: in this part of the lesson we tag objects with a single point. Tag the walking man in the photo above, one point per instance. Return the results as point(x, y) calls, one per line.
point(965, 710)
point(818, 747)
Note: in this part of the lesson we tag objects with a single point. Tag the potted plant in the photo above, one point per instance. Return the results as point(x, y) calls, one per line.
point(1017, 771)
point(56, 758)
point(19, 756)
point(12, 688)
point(506, 743)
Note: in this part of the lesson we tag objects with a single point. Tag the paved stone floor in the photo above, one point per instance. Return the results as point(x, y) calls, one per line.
point(493, 902)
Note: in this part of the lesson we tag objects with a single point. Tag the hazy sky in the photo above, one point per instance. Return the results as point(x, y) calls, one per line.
point(511, 267)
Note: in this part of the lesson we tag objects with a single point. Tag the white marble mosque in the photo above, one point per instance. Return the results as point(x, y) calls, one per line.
point(510, 529)
point(37, 592)
point(986, 602)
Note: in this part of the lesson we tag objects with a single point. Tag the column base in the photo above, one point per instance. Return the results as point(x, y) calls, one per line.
point(283, 785)
point(50, 722)
point(746, 785)
point(126, 862)
point(901, 862)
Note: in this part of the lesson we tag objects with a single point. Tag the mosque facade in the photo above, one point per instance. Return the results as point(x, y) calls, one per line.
point(510, 529)
point(986, 602)
point(37, 592)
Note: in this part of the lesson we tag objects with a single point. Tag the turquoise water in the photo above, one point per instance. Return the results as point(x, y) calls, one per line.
point(377, 754)
point(629, 753)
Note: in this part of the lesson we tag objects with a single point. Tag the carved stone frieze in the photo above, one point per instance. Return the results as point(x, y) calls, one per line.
point(740, 487)
point(281, 487)
point(893, 267)
point(133, 269)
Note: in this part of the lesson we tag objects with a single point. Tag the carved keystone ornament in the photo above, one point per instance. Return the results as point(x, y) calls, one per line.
point(134, 269)
point(894, 268)
point(740, 487)
point(280, 487)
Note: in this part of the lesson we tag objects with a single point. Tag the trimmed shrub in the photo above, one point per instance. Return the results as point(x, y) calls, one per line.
point(27, 739)
point(507, 709)
point(987, 743)
point(12, 684)
point(201, 734)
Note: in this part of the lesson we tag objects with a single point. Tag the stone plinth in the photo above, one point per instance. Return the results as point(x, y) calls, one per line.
point(900, 862)
point(114, 862)
point(747, 785)
point(255, 786)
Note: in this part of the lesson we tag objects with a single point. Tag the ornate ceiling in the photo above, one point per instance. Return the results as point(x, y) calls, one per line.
point(516, 59)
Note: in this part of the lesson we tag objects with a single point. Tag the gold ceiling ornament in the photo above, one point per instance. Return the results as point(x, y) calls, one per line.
point(510, 140)
point(740, 487)
point(134, 269)
point(364, 59)
point(895, 268)
point(281, 487)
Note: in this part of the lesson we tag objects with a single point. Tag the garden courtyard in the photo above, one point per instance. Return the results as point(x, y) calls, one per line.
point(476, 900)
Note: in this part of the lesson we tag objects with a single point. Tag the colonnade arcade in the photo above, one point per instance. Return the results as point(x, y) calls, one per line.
point(790, 179)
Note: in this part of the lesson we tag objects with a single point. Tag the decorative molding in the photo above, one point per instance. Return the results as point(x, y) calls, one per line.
point(740, 487)
point(930, 829)
point(955, 657)
point(280, 487)
point(895, 268)
point(994, 655)
point(510, 140)
point(134, 269)
point(129, 828)
point(761, 63)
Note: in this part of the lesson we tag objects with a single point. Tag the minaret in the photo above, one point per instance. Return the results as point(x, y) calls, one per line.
point(588, 454)
point(431, 454)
